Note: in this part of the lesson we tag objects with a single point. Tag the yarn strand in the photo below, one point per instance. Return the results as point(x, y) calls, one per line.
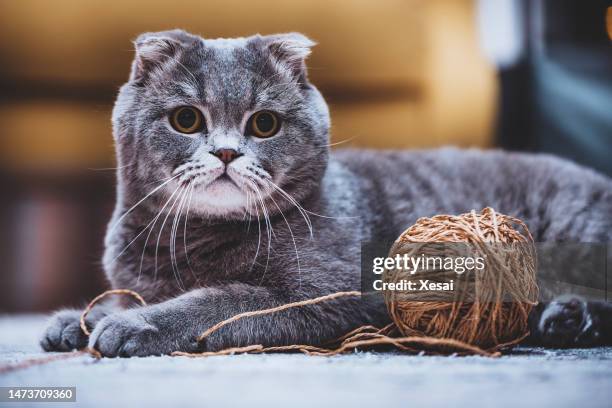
point(286, 306)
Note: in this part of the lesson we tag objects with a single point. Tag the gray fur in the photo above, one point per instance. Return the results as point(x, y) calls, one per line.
point(235, 262)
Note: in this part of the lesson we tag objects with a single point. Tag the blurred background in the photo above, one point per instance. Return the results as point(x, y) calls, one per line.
point(533, 75)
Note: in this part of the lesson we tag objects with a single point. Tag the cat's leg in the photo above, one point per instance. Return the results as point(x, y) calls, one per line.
point(578, 209)
point(63, 331)
point(570, 321)
point(175, 325)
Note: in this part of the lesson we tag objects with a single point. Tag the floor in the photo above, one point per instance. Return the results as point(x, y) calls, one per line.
point(528, 378)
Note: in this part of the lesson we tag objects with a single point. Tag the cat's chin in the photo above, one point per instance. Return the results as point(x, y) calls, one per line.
point(220, 197)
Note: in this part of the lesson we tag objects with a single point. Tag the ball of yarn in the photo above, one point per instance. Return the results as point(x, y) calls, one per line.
point(488, 308)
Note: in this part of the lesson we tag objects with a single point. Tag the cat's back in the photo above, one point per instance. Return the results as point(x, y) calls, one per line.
point(474, 169)
point(405, 185)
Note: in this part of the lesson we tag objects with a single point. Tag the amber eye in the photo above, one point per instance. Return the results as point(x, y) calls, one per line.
point(187, 119)
point(263, 124)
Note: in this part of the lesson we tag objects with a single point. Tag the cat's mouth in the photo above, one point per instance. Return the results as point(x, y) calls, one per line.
point(221, 189)
point(224, 178)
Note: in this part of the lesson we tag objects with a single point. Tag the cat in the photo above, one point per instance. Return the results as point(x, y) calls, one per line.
point(230, 200)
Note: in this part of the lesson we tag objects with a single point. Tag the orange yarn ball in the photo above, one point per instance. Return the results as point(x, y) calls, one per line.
point(487, 308)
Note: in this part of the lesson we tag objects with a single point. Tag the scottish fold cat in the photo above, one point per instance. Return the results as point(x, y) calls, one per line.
point(229, 199)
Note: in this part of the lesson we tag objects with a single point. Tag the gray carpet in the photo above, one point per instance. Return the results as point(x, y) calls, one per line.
point(529, 377)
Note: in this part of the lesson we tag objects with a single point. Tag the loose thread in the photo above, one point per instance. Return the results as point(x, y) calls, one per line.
point(22, 365)
point(286, 306)
point(101, 296)
point(349, 341)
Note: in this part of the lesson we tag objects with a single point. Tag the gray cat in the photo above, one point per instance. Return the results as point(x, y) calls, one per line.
point(229, 200)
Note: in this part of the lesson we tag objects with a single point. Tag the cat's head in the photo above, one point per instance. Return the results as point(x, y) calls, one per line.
point(225, 123)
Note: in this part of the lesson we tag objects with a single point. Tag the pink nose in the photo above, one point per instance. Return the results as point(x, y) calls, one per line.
point(226, 155)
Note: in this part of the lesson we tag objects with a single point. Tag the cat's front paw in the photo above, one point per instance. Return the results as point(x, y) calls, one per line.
point(567, 322)
point(138, 333)
point(63, 332)
point(125, 334)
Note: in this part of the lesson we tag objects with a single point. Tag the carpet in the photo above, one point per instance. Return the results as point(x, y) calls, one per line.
point(529, 377)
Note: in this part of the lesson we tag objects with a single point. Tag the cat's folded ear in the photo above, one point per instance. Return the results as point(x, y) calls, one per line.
point(153, 49)
point(290, 50)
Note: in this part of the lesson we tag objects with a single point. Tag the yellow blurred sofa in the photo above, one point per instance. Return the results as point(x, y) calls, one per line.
point(396, 73)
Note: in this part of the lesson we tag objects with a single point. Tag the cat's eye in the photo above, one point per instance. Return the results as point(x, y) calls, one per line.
point(263, 124)
point(187, 119)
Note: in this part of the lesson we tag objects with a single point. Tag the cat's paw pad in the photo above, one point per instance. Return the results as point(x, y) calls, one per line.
point(567, 322)
point(126, 334)
point(63, 332)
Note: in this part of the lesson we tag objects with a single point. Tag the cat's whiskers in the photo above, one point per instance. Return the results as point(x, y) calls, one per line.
point(269, 229)
point(297, 255)
point(350, 139)
point(136, 237)
point(152, 227)
point(171, 239)
point(299, 207)
point(156, 181)
point(181, 186)
point(316, 214)
point(251, 185)
point(173, 232)
point(247, 206)
point(125, 166)
point(116, 223)
point(248, 210)
point(254, 181)
point(185, 233)
point(258, 234)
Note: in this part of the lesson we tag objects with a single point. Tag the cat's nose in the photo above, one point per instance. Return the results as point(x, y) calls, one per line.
point(227, 155)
